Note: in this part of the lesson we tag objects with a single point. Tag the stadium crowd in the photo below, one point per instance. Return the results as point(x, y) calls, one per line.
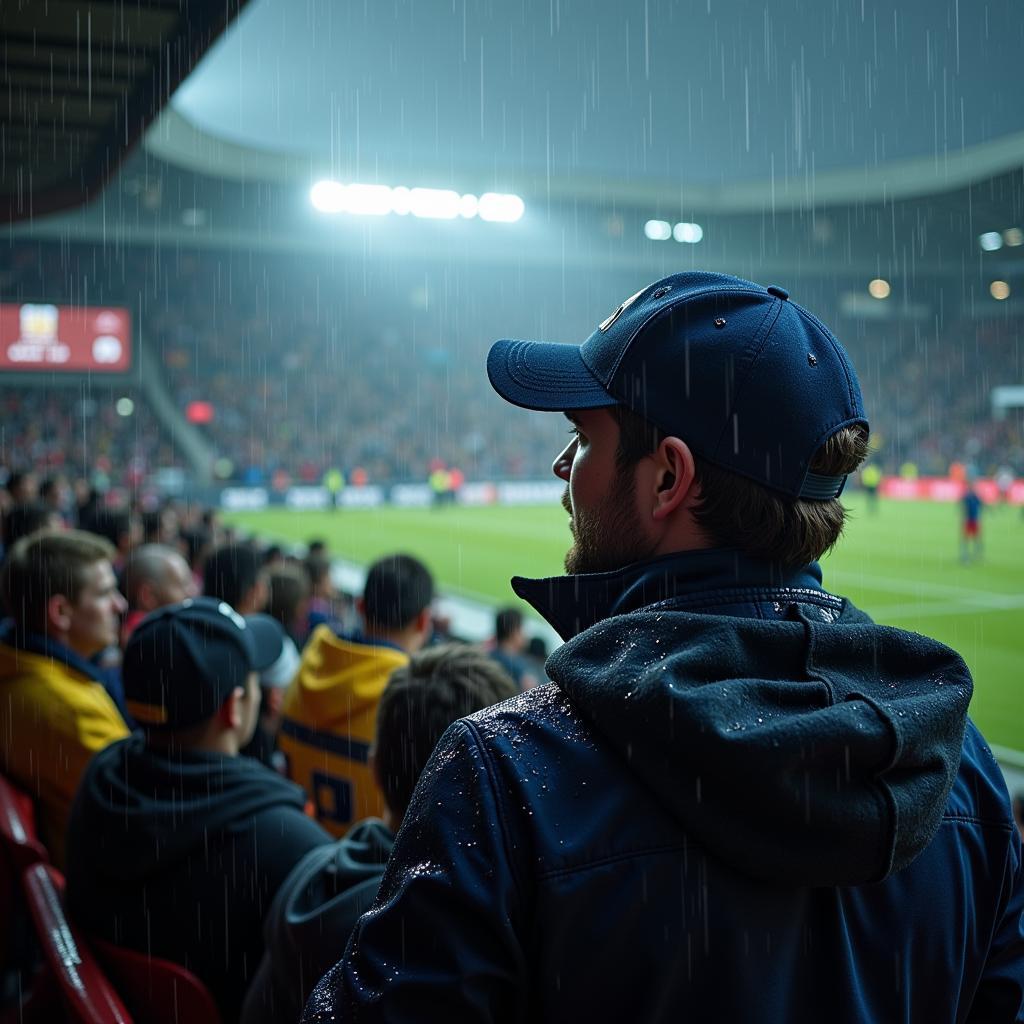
point(295, 380)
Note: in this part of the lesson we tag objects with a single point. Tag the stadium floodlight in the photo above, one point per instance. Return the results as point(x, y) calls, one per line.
point(328, 196)
point(498, 206)
point(879, 288)
point(434, 203)
point(686, 232)
point(1013, 236)
point(124, 407)
point(658, 230)
point(990, 241)
point(999, 290)
point(469, 206)
point(368, 200)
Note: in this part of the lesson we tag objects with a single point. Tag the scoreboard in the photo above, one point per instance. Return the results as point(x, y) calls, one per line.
point(38, 336)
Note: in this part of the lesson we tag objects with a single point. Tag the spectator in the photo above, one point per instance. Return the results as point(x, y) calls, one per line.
point(55, 714)
point(23, 487)
point(323, 609)
point(509, 645)
point(330, 709)
point(21, 520)
point(288, 599)
point(161, 526)
point(758, 800)
point(55, 493)
point(120, 526)
point(154, 577)
point(316, 908)
point(177, 845)
point(234, 573)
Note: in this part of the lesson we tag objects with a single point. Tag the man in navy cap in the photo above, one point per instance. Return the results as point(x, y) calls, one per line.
point(741, 799)
point(177, 846)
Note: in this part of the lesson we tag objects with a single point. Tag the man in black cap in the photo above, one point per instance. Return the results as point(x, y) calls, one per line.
point(177, 845)
point(742, 799)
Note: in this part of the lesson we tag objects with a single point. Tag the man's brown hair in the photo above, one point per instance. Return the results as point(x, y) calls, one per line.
point(735, 512)
point(45, 563)
point(439, 685)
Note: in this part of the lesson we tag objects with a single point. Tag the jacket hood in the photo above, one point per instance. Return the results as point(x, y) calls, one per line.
point(798, 752)
point(330, 662)
point(34, 653)
point(155, 808)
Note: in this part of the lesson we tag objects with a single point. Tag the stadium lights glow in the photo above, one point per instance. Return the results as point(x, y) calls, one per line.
point(990, 241)
point(999, 290)
point(1013, 236)
point(686, 232)
point(124, 407)
point(879, 288)
point(658, 230)
point(428, 203)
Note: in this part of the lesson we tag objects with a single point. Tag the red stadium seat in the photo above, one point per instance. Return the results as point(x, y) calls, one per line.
point(18, 828)
point(19, 848)
point(157, 991)
point(69, 965)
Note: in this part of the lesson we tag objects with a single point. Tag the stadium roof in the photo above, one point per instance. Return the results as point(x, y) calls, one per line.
point(81, 81)
point(719, 105)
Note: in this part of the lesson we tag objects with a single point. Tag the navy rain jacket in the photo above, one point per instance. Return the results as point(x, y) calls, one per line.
point(740, 800)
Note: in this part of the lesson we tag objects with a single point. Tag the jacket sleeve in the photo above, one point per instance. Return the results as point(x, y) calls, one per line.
point(442, 941)
point(1000, 995)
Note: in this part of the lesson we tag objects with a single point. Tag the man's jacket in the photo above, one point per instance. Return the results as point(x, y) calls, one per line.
point(328, 720)
point(179, 853)
point(54, 716)
point(741, 800)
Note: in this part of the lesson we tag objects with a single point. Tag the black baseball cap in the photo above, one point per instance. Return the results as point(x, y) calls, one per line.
point(183, 661)
point(753, 382)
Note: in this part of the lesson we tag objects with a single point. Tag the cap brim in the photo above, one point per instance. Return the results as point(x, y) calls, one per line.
point(267, 636)
point(544, 376)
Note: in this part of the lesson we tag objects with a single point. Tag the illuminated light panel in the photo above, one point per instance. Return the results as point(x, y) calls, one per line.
point(879, 288)
point(686, 232)
point(999, 290)
point(329, 196)
point(1013, 237)
point(990, 241)
point(498, 206)
point(658, 230)
point(124, 407)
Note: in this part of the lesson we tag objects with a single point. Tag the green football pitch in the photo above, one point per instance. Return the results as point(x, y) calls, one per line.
point(900, 564)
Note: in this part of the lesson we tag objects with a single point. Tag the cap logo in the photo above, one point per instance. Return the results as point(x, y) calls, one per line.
point(226, 610)
point(605, 324)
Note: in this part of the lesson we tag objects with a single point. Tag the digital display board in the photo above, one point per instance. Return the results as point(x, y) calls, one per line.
point(40, 336)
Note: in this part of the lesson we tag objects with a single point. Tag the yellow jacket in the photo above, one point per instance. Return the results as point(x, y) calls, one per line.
point(328, 722)
point(53, 718)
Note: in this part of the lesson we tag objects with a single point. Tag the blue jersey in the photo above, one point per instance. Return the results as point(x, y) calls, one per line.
point(972, 507)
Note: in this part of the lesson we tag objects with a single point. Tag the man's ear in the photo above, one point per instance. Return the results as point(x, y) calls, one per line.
point(230, 714)
point(424, 620)
point(675, 476)
point(58, 613)
point(361, 608)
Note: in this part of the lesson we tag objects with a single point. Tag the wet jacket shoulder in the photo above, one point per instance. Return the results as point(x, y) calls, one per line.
point(53, 718)
point(775, 811)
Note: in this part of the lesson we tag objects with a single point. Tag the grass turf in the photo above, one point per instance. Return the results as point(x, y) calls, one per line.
point(901, 565)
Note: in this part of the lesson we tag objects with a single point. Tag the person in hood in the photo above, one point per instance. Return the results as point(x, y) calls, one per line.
point(55, 712)
point(316, 908)
point(177, 845)
point(740, 799)
point(330, 709)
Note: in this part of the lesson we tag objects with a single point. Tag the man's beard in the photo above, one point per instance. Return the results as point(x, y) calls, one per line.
point(608, 536)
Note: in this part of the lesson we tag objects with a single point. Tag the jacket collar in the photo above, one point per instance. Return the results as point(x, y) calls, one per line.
point(575, 603)
point(47, 647)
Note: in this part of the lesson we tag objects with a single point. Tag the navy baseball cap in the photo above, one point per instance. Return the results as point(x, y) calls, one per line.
point(183, 661)
point(751, 381)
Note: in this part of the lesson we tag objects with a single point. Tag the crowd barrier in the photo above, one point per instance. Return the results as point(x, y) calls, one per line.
point(936, 488)
point(512, 492)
